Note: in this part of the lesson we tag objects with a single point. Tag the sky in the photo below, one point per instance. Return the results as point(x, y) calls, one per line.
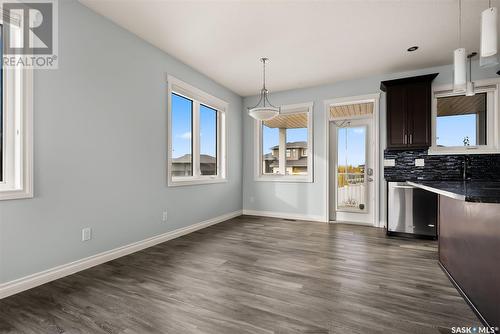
point(270, 137)
point(451, 130)
point(181, 127)
point(354, 152)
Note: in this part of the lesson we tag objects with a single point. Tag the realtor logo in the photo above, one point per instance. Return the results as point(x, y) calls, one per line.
point(30, 34)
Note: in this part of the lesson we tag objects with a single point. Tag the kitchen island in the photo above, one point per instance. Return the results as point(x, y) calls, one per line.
point(469, 241)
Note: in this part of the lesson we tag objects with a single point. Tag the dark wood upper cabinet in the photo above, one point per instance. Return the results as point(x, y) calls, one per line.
point(409, 111)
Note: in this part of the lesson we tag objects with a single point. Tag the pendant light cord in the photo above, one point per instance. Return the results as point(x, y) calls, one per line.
point(470, 69)
point(264, 89)
point(459, 23)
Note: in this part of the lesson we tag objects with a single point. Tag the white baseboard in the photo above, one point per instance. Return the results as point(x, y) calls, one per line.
point(31, 281)
point(284, 215)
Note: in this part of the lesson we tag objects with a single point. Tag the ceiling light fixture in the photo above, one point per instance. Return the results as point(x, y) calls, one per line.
point(267, 110)
point(489, 36)
point(412, 48)
point(459, 59)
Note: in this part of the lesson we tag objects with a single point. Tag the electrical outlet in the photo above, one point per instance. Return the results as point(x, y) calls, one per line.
point(86, 234)
point(164, 216)
point(419, 162)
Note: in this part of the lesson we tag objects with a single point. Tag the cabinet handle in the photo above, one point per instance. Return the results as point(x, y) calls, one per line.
point(411, 138)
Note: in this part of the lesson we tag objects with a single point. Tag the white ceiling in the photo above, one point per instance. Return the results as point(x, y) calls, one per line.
point(308, 42)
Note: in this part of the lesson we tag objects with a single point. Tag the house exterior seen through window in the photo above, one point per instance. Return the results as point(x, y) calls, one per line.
point(285, 142)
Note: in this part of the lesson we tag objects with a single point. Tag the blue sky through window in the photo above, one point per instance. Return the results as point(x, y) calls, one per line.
point(293, 135)
point(356, 146)
point(270, 137)
point(451, 130)
point(208, 130)
point(181, 125)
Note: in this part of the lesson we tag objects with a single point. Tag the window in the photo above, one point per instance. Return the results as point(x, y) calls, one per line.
point(461, 120)
point(197, 148)
point(465, 124)
point(283, 145)
point(16, 140)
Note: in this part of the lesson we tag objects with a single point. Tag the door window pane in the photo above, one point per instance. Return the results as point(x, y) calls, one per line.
point(270, 150)
point(461, 120)
point(351, 162)
point(182, 142)
point(208, 140)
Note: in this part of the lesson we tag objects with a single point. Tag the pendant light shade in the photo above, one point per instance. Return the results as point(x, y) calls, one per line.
point(459, 70)
point(266, 110)
point(470, 90)
point(489, 38)
point(264, 113)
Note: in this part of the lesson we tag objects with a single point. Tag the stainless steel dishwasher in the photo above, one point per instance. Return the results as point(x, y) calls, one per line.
point(411, 211)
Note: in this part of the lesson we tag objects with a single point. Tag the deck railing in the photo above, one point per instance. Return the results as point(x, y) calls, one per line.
point(351, 190)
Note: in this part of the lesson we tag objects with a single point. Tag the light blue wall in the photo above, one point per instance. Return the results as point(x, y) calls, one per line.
point(100, 150)
point(309, 199)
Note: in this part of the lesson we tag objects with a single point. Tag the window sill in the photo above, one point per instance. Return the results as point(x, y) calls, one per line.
point(6, 195)
point(285, 179)
point(461, 150)
point(180, 182)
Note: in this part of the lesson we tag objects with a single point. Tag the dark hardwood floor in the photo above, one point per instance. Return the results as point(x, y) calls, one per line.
point(253, 275)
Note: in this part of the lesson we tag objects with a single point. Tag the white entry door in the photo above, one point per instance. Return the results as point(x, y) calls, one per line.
point(352, 171)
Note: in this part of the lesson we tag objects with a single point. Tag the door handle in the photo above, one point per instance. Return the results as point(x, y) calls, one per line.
point(370, 179)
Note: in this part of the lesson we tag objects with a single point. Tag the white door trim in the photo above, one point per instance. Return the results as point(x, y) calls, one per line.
point(375, 99)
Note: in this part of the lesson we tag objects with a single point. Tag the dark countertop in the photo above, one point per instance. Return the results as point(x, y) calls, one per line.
point(470, 191)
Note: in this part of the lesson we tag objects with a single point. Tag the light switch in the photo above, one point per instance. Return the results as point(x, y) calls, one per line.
point(419, 162)
point(389, 162)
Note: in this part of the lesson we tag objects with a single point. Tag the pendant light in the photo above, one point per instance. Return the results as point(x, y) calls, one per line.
point(459, 59)
point(470, 89)
point(267, 110)
point(489, 42)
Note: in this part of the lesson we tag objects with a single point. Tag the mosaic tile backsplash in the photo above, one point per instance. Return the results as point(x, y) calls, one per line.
point(441, 167)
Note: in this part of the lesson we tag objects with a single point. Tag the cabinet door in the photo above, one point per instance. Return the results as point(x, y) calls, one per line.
point(418, 106)
point(396, 117)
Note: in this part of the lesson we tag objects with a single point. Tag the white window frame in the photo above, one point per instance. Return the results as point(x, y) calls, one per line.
point(17, 150)
point(198, 97)
point(489, 86)
point(258, 156)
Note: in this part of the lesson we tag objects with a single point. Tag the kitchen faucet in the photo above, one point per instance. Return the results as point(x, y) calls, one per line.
point(465, 167)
